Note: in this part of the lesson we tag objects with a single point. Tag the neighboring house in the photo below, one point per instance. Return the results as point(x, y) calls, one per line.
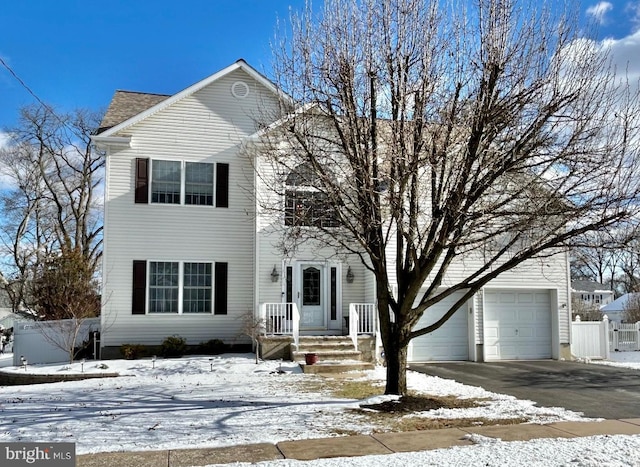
point(187, 251)
point(615, 310)
point(7, 316)
point(590, 293)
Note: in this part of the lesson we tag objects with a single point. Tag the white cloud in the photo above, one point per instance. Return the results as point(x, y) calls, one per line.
point(624, 54)
point(599, 11)
point(633, 11)
point(4, 139)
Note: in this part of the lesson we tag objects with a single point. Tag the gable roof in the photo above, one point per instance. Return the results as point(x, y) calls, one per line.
point(619, 304)
point(127, 104)
point(588, 286)
point(166, 101)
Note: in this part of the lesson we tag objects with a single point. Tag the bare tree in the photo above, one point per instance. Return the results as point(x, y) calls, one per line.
point(586, 311)
point(51, 201)
point(632, 309)
point(253, 327)
point(596, 256)
point(64, 295)
point(427, 134)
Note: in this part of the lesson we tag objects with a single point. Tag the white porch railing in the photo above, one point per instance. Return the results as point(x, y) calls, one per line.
point(281, 319)
point(624, 336)
point(284, 319)
point(362, 320)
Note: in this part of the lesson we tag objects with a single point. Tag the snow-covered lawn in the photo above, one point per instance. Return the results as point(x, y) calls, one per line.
point(622, 359)
point(228, 400)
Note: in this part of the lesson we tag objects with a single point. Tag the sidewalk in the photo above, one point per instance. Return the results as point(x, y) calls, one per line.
point(362, 445)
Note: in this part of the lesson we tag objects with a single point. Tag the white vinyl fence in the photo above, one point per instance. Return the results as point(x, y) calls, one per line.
point(33, 340)
point(624, 336)
point(590, 339)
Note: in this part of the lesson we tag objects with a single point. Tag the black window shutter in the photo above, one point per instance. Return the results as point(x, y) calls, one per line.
point(142, 181)
point(222, 185)
point(289, 292)
point(220, 299)
point(334, 294)
point(139, 287)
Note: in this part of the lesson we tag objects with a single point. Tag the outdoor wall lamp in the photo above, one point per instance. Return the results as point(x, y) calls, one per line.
point(274, 274)
point(350, 275)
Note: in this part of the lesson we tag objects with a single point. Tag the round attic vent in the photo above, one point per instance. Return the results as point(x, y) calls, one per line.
point(240, 90)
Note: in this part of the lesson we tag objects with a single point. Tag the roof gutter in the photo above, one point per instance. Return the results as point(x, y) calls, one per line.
point(120, 141)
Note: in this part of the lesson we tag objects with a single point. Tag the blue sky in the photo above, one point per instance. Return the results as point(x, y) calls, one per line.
point(76, 53)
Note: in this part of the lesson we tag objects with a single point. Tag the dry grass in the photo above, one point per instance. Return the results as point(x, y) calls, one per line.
point(396, 415)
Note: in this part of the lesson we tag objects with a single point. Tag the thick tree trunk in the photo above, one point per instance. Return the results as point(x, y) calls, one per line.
point(396, 370)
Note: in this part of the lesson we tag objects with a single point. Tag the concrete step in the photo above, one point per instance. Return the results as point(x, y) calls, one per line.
point(336, 367)
point(324, 339)
point(328, 355)
point(308, 347)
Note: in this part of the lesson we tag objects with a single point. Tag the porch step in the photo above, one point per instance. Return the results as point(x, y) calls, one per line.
point(327, 355)
point(327, 348)
point(336, 367)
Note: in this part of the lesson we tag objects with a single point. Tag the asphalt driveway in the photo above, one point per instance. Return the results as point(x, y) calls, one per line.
point(596, 390)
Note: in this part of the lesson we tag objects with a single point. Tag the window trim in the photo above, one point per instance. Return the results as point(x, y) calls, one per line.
point(219, 184)
point(299, 190)
point(180, 288)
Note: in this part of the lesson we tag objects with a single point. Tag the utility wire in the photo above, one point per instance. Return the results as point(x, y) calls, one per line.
point(40, 101)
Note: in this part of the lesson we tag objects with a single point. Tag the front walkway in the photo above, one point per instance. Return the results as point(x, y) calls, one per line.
point(349, 446)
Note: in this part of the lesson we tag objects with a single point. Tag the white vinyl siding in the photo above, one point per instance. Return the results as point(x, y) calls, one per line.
point(206, 127)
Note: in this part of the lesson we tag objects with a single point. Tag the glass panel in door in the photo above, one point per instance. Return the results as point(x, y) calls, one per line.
point(312, 310)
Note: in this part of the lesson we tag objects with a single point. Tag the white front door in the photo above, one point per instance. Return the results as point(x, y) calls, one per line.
point(313, 294)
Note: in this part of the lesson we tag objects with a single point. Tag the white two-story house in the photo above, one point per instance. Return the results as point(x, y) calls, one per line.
point(187, 252)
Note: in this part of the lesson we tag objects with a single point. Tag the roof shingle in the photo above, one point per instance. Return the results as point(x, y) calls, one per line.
point(126, 104)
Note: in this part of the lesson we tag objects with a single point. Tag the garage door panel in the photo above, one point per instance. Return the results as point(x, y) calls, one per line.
point(543, 298)
point(526, 333)
point(450, 341)
point(527, 316)
point(525, 298)
point(506, 298)
point(517, 324)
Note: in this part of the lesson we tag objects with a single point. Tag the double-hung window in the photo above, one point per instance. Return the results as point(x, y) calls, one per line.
point(198, 183)
point(196, 296)
point(305, 204)
point(179, 287)
point(181, 182)
point(164, 287)
point(165, 182)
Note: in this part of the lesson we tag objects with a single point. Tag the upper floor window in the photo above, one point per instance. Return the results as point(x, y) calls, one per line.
point(165, 182)
point(198, 184)
point(305, 204)
point(176, 182)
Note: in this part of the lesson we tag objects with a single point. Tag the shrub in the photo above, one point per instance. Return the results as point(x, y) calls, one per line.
point(173, 346)
point(212, 347)
point(132, 351)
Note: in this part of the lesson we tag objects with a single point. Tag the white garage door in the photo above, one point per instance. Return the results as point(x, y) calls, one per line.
point(517, 324)
point(450, 341)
